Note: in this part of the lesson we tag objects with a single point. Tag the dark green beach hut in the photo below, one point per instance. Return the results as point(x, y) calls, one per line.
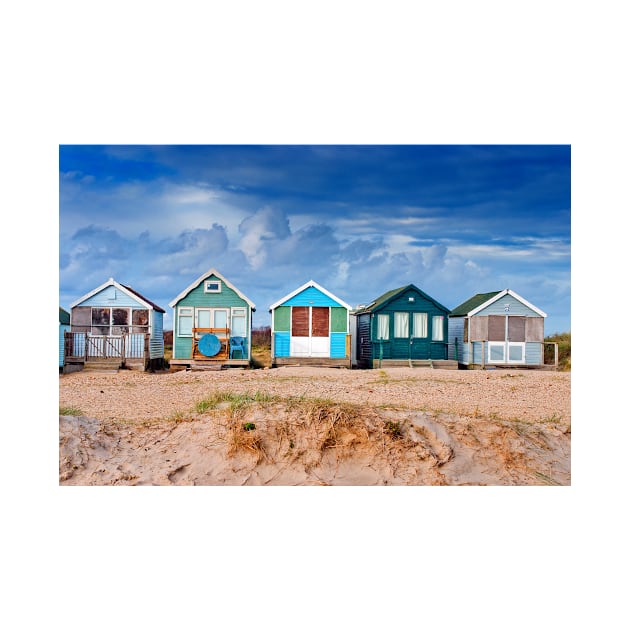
point(402, 326)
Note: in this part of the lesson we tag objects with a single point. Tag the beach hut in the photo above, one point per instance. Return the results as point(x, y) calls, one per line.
point(64, 327)
point(310, 326)
point(404, 327)
point(115, 326)
point(212, 324)
point(497, 329)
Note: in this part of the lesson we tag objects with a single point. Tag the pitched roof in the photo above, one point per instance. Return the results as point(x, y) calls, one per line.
point(157, 308)
point(201, 278)
point(306, 285)
point(472, 303)
point(482, 300)
point(128, 290)
point(380, 301)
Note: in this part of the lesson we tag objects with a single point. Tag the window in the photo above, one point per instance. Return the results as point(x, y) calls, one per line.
point(100, 321)
point(239, 325)
point(211, 318)
point(383, 327)
point(140, 320)
point(108, 321)
point(120, 321)
point(401, 324)
point(438, 328)
point(212, 286)
point(185, 322)
point(420, 324)
point(220, 319)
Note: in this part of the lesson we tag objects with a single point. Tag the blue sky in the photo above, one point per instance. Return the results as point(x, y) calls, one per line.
point(454, 220)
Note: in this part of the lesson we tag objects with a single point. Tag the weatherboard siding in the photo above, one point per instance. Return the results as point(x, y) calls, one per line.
point(225, 299)
point(197, 298)
point(114, 297)
point(337, 345)
point(455, 332)
point(63, 328)
point(364, 341)
point(282, 344)
point(321, 323)
point(533, 353)
point(410, 347)
point(182, 347)
point(311, 296)
point(515, 308)
point(156, 341)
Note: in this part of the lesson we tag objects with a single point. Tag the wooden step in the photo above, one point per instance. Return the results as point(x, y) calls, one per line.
point(102, 365)
point(436, 364)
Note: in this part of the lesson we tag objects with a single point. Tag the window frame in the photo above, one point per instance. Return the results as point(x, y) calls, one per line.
point(207, 283)
point(404, 315)
point(385, 318)
point(180, 314)
point(238, 312)
point(435, 328)
point(426, 325)
point(107, 329)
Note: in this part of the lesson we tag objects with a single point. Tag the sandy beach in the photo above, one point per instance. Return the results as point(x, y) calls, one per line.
point(315, 426)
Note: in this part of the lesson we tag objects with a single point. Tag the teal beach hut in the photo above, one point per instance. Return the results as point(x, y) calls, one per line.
point(64, 327)
point(212, 324)
point(402, 327)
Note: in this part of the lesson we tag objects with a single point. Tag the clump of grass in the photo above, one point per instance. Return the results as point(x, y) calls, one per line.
point(393, 429)
point(70, 411)
point(553, 419)
point(232, 400)
point(239, 438)
point(249, 426)
point(180, 416)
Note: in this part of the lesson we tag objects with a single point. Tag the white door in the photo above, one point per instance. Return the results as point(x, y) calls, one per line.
point(507, 339)
point(310, 331)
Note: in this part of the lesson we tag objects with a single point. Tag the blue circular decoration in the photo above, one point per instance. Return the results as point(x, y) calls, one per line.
point(209, 345)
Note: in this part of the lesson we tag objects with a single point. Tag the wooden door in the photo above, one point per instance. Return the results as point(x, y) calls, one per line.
point(310, 331)
point(320, 331)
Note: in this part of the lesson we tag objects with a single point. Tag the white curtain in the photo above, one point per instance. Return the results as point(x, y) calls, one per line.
point(438, 328)
point(383, 327)
point(401, 324)
point(420, 324)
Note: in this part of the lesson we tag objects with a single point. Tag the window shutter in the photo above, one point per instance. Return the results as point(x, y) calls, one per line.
point(496, 328)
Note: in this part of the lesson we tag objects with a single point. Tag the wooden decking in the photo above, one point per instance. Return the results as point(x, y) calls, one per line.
point(507, 366)
point(206, 364)
point(436, 364)
point(310, 361)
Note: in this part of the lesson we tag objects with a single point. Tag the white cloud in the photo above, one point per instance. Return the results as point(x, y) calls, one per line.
point(189, 194)
point(259, 230)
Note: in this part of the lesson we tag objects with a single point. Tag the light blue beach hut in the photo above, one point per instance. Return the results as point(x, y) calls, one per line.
point(497, 329)
point(310, 326)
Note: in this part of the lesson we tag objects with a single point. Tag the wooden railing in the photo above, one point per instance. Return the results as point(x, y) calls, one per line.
point(84, 346)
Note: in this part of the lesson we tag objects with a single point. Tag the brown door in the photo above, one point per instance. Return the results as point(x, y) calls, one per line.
point(299, 321)
point(321, 321)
